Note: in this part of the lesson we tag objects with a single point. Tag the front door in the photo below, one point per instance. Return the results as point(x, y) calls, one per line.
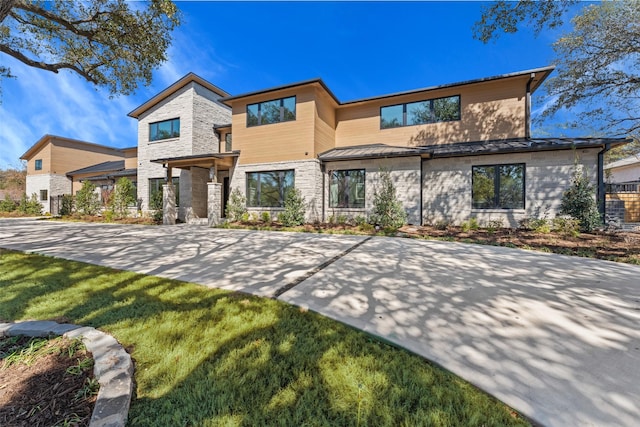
point(225, 195)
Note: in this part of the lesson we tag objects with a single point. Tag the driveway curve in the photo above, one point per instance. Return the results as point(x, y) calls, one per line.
point(556, 337)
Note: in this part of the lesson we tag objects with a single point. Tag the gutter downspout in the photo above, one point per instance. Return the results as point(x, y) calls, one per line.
point(527, 107)
point(601, 195)
point(322, 171)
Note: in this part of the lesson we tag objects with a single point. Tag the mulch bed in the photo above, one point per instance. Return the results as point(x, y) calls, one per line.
point(45, 390)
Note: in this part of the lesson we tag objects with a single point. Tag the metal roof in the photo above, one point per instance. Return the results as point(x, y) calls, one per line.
point(115, 165)
point(366, 152)
point(117, 174)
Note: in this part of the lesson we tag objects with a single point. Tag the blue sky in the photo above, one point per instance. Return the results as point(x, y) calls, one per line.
point(359, 49)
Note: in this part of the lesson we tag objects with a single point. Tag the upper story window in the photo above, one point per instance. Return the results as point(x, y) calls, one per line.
point(164, 130)
point(227, 142)
point(39, 164)
point(498, 186)
point(420, 112)
point(275, 111)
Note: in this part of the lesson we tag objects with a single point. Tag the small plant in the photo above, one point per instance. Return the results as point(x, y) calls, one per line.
point(540, 225)
point(87, 202)
point(83, 365)
point(253, 217)
point(360, 220)
point(90, 388)
point(493, 225)
point(67, 205)
point(473, 223)
point(156, 205)
point(294, 209)
point(109, 215)
point(465, 226)
point(342, 219)
point(387, 210)
point(265, 217)
point(8, 205)
point(236, 206)
point(579, 202)
point(442, 224)
point(245, 217)
point(366, 227)
point(30, 206)
point(566, 226)
point(123, 196)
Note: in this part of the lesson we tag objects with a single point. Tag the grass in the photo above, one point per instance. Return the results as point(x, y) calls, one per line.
point(209, 357)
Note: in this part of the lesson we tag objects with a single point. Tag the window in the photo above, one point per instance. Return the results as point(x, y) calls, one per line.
point(39, 164)
point(44, 195)
point(155, 185)
point(498, 186)
point(276, 111)
point(227, 142)
point(421, 112)
point(164, 130)
point(268, 189)
point(346, 188)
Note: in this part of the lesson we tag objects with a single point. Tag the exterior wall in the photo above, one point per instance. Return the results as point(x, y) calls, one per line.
point(324, 123)
point(628, 173)
point(44, 154)
point(405, 173)
point(198, 109)
point(131, 159)
point(66, 156)
point(488, 110)
point(276, 142)
point(195, 199)
point(447, 185)
point(308, 179)
point(55, 185)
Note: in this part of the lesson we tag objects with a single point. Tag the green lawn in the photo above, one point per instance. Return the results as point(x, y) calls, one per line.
point(208, 357)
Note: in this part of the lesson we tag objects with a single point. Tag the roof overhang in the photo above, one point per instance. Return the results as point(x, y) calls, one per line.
point(199, 160)
point(312, 82)
point(371, 151)
point(52, 138)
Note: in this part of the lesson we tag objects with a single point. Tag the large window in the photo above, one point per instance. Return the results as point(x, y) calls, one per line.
point(227, 142)
point(421, 112)
point(498, 186)
point(268, 189)
point(155, 186)
point(39, 164)
point(164, 130)
point(346, 188)
point(276, 111)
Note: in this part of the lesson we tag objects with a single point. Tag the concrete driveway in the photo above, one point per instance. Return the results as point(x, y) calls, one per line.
point(556, 337)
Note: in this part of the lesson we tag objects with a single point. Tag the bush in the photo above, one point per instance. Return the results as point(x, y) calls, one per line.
point(87, 201)
point(265, 217)
point(359, 220)
point(566, 226)
point(294, 209)
point(8, 205)
point(30, 206)
point(387, 210)
point(540, 225)
point(579, 202)
point(236, 206)
point(493, 225)
point(442, 224)
point(473, 223)
point(245, 217)
point(67, 205)
point(123, 196)
point(155, 205)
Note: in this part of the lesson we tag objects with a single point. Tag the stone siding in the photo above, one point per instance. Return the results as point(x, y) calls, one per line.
point(405, 173)
point(447, 185)
point(308, 179)
point(56, 185)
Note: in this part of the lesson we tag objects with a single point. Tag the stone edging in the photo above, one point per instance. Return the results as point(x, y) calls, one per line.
point(112, 366)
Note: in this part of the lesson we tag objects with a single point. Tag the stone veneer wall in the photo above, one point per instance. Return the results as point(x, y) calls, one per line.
point(56, 185)
point(308, 179)
point(447, 185)
point(405, 173)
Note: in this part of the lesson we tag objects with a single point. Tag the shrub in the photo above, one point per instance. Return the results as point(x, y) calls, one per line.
point(265, 217)
point(493, 225)
point(566, 226)
point(67, 205)
point(244, 217)
point(579, 201)
point(294, 209)
point(156, 205)
point(540, 225)
point(387, 210)
point(87, 202)
point(30, 206)
point(465, 226)
point(359, 220)
point(123, 196)
point(236, 205)
point(473, 223)
point(253, 217)
point(342, 219)
point(442, 224)
point(8, 205)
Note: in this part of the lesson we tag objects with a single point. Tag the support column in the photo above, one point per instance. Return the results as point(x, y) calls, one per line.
point(214, 203)
point(168, 204)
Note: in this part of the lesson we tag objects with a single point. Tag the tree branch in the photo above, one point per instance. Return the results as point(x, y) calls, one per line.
point(29, 7)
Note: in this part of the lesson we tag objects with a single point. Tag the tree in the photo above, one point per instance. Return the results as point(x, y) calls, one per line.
point(294, 209)
point(87, 201)
point(387, 210)
point(597, 62)
point(124, 195)
point(579, 201)
point(107, 42)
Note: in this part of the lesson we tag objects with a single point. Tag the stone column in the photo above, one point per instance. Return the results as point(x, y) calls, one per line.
point(214, 203)
point(168, 204)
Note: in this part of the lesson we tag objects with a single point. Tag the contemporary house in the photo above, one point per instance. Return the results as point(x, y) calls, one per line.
point(57, 165)
point(454, 151)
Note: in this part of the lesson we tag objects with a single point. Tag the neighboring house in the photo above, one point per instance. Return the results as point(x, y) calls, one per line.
point(52, 157)
point(623, 189)
point(454, 151)
point(624, 170)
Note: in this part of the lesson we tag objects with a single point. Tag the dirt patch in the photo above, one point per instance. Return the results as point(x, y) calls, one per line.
point(45, 382)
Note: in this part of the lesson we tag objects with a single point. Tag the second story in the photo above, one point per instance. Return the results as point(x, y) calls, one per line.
point(301, 120)
point(55, 155)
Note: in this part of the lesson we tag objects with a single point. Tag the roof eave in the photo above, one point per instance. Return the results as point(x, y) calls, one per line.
point(319, 81)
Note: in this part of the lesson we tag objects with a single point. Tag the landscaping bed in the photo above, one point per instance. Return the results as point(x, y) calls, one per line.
point(45, 382)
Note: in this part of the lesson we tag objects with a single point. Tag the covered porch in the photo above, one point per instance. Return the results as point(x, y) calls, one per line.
point(204, 195)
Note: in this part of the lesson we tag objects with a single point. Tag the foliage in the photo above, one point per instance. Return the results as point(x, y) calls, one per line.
point(156, 205)
point(579, 201)
point(236, 205)
point(30, 206)
point(13, 181)
point(597, 65)
point(67, 205)
point(107, 42)
point(493, 225)
point(257, 362)
point(265, 217)
point(87, 200)
point(124, 195)
point(566, 226)
point(294, 209)
point(8, 204)
point(387, 211)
